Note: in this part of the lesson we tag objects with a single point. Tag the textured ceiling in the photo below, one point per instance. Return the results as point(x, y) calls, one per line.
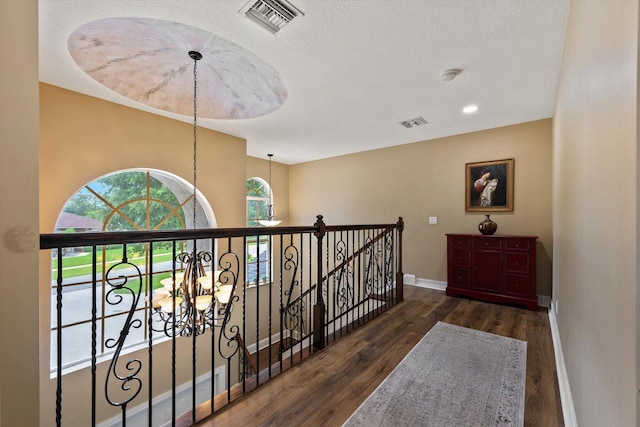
point(355, 69)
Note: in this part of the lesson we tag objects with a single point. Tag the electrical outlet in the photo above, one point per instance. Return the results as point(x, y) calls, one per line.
point(433, 220)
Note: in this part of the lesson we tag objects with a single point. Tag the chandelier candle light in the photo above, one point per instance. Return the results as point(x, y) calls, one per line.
point(187, 303)
point(270, 221)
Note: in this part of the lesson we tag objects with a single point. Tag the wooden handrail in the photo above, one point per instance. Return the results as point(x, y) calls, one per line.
point(71, 240)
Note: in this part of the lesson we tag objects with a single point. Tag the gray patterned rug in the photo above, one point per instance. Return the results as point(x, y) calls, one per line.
point(453, 377)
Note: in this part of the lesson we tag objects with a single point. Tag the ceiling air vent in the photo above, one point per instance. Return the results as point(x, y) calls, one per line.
point(272, 14)
point(414, 122)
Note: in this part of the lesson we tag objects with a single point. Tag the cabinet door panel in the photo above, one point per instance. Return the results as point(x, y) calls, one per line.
point(517, 262)
point(460, 278)
point(517, 285)
point(487, 271)
point(460, 257)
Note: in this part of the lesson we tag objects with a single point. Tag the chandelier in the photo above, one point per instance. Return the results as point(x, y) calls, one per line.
point(271, 220)
point(193, 300)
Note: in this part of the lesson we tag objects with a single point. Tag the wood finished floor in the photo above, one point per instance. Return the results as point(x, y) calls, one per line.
point(325, 389)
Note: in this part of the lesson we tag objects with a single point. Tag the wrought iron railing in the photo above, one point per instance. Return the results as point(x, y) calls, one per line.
point(150, 361)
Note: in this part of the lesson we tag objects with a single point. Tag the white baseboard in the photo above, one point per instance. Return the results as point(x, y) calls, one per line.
point(409, 279)
point(430, 284)
point(138, 416)
point(264, 343)
point(544, 301)
point(568, 410)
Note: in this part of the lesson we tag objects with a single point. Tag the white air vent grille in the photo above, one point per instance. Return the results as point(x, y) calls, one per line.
point(418, 121)
point(272, 14)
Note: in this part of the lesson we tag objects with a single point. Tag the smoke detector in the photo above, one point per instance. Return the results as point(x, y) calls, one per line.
point(418, 121)
point(271, 14)
point(450, 74)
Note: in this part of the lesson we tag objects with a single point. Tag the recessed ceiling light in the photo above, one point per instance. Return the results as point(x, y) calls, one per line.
point(449, 74)
point(469, 109)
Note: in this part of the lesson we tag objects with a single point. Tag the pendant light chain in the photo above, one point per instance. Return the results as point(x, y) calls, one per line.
point(270, 190)
point(196, 57)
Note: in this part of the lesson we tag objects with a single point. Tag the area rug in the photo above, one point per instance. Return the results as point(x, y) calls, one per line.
point(454, 376)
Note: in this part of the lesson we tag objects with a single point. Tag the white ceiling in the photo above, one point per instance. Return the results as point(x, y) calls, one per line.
point(354, 69)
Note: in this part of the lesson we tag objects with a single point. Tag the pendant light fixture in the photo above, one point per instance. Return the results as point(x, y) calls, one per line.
point(270, 221)
point(186, 305)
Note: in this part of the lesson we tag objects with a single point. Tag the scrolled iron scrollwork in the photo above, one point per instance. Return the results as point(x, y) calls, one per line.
point(228, 343)
point(295, 308)
point(344, 293)
point(131, 384)
point(389, 266)
point(369, 268)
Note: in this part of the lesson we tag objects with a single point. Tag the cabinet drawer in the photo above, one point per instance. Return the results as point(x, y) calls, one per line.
point(517, 245)
point(460, 241)
point(516, 262)
point(487, 243)
point(460, 257)
point(460, 278)
point(517, 285)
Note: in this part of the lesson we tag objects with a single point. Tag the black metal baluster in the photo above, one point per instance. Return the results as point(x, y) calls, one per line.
point(94, 334)
point(244, 311)
point(59, 340)
point(308, 292)
point(282, 310)
point(270, 267)
point(337, 285)
point(212, 366)
point(258, 314)
point(192, 294)
point(148, 308)
point(357, 274)
point(173, 337)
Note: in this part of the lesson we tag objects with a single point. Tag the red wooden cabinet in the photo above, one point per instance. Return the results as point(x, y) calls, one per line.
point(493, 268)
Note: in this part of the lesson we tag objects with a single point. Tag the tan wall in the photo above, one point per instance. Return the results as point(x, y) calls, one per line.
point(19, 349)
point(594, 213)
point(83, 138)
point(91, 137)
point(426, 179)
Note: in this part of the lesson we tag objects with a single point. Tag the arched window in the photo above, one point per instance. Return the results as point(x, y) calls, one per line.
point(257, 201)
point(258, 253)
point(134, 199)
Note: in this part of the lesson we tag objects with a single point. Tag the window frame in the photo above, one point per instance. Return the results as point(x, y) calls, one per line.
point(258, 240)
point(205, 219)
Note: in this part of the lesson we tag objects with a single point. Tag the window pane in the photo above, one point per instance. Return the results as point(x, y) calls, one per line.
point(256, 188)
point(256, 209)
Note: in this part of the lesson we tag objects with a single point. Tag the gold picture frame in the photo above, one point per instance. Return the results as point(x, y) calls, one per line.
point(489, 186)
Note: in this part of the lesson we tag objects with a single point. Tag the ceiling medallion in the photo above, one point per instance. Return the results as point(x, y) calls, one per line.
point(143, 59)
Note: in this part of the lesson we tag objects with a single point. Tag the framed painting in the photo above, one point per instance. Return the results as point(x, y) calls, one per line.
point(489, 186)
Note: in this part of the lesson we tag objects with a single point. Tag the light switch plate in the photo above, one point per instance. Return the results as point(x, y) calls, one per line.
point(433, 220)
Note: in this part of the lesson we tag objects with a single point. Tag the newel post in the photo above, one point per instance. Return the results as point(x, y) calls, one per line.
point(318, 308)
point(399, 273)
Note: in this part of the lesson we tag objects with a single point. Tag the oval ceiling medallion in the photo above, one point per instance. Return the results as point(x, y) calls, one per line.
point(147, 61)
